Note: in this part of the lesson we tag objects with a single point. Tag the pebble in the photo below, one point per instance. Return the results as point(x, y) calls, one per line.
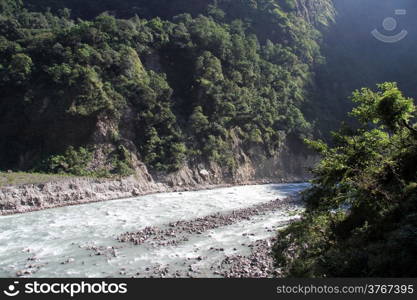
point(174, 232)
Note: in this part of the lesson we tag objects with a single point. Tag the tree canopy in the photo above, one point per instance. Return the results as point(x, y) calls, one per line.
point(361, 217)
point(171, 86)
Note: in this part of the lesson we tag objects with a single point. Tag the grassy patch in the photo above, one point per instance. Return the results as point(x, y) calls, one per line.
point(22, 178)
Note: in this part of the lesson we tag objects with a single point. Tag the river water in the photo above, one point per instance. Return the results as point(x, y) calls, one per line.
point(81, 241)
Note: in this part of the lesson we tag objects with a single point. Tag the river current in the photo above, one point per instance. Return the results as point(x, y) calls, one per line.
point(75, 241)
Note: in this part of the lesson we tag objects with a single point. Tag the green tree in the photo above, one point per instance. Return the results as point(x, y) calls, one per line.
point(199, 122)
point(387, 106)
point(20, 67)
point(9, 7)
point(360, 219)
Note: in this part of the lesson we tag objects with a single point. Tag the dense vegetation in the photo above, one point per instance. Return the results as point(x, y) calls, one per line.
point(361, 219)
point(168, 82)
point(361, 215)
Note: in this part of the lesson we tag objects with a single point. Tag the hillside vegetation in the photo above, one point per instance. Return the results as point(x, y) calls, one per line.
point(163, 82)
point(361, 219)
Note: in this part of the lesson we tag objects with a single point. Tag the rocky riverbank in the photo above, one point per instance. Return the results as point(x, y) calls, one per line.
point(176, 232)
point(76, 191)
point(286, 166)
point(218, 233)
point(258, 264)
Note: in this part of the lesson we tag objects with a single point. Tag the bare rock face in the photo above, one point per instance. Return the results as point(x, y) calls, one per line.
point(204, 173)
point(70, 192)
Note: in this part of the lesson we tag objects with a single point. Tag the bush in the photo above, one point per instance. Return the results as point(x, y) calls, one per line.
point(73, 161)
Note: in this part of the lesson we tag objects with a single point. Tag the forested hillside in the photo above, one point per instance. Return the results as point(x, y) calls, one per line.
point(361, 217)
point(100, 87)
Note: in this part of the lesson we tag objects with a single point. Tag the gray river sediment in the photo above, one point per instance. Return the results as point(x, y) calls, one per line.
point(81, 241)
